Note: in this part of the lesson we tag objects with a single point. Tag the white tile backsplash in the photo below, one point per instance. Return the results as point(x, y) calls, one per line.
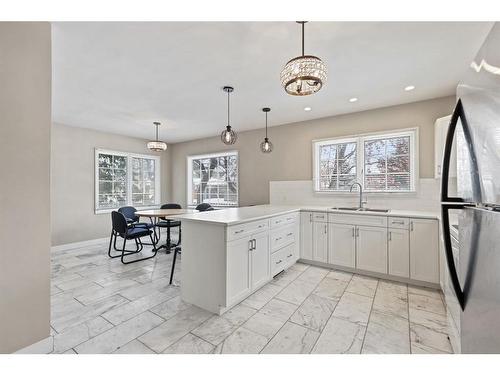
point(427, 197)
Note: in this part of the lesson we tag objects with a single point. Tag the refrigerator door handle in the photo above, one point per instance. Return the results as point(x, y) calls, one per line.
point(445, 218)
point(459, 114)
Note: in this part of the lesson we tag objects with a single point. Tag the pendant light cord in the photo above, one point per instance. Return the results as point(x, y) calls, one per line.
point(266, 125)
point(303, 23)
point(228, 93)
point(156, 132)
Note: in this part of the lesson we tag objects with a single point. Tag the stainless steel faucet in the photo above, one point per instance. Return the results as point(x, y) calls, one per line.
point(361, 201)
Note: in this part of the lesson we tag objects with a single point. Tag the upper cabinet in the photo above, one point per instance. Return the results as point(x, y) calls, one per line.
point(440, 130)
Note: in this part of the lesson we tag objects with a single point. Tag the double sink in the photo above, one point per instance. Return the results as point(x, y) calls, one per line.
point(360, 209)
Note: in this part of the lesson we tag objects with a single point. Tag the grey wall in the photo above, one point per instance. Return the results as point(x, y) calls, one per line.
point(72, 179)
point(25, 104)
point(292, 155)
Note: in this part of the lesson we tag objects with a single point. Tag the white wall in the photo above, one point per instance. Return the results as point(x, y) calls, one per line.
point(72, 179)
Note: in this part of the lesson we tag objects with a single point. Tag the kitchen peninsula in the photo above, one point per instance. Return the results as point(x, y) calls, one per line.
point(230, 253)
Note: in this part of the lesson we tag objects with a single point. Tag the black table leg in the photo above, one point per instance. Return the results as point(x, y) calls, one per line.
point(169, 245)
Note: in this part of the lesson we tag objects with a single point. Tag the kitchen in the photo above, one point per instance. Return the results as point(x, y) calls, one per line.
point(275, 220)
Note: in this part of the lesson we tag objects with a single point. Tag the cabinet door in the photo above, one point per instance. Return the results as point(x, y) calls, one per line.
point(320, 242)
point(238, 269)
point(399, 252)
point(306, 235)
point(424, 257)
point(371, 249)
point(260, 258)
point(342, 245)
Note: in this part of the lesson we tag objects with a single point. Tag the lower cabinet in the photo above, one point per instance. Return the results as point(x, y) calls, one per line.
point(342, 245)
point(320, 242)
point(259, 260)
point(399, 252)
point(306, 235)
point(238, 269)
point(247, 265)
point(424, 253)
point(371, 249)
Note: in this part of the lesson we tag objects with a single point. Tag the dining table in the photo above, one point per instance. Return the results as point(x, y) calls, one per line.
point(167, 214)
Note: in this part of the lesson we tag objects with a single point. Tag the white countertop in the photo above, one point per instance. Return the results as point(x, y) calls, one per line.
point(239, 215)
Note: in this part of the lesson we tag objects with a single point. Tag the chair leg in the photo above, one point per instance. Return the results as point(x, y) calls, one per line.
point(139, 260)
point(173, 266)
point(110, 242)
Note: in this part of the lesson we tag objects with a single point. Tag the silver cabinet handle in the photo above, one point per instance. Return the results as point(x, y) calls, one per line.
point(289, 234)
point(411, 226)
point(261, 226)
point(357, 232)
point(390, 236)
point(288, 256)
point(250, 245)
point(279, 261)
point(310, 217)
point(239, 231)
point(326, 228)
point(254, 244)
point(398, 222)
point(353, 232)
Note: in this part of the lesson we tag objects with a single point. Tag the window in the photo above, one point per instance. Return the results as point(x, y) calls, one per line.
point(124, 179)
point(213, 179)
point(380, 162)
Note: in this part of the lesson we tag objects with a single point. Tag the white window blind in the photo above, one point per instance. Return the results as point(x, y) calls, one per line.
point(382, 162)
point(124, 179)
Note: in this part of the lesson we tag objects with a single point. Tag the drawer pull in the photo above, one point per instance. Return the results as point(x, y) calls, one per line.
point(261, 226)
point(289, 234)
point(279, 261)
point(398, 222)
point(288, 256)
point(278, 239)
point(239, 231)
point(278, 221)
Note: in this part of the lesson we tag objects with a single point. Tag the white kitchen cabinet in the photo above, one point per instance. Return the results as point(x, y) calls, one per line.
point(440, 131)
point(259, 260)
point(238, 269)
point(342, 245)
point(320, 242)
point(424, 254)
point(371, 249)
point(398, 249)
point(306, 235)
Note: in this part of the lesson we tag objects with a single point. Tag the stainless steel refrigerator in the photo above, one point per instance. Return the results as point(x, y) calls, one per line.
point(475, 127)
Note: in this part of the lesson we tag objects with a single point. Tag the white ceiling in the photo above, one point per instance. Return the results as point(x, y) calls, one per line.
point(120, 77)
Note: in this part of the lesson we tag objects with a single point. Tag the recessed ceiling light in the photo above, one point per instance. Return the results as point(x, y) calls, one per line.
point(409, 88)
point(352, 100)
point(307, 109)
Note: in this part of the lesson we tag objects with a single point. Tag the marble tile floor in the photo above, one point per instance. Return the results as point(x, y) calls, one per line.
point(102, 306)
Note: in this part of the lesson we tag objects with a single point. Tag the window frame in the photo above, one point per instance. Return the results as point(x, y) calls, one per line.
point(360, 160)
point(189, 175)
point(129, 156)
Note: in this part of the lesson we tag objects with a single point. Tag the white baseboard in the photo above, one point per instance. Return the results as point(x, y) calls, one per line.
point(76, 245)
point(44, 346)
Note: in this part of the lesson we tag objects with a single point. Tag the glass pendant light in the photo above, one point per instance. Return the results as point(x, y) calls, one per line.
point(228, 136)
point(303, 75)
point(157, 145)
point(266, 146)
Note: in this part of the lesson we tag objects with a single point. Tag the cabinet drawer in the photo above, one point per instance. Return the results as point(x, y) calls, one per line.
point(282, 237)
point(241, 230)
point(398, 222)
point(320, 217)
point(361, 219)
point(278, 261)
point(284, 219)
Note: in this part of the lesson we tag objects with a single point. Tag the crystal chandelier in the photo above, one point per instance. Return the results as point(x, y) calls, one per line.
point(228, 136)
point(266, 146)
point(157, 145)
point(303, 75)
